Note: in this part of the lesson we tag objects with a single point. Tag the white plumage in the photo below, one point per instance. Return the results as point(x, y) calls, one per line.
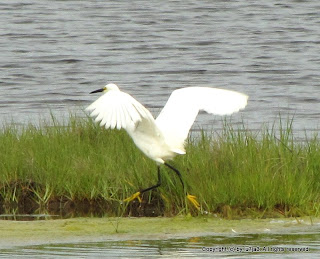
point(163, 138)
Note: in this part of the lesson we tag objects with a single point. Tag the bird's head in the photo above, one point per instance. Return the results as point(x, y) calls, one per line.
point(108, 87)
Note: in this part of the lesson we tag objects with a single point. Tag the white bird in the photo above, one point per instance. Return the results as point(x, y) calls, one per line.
point(163, 138)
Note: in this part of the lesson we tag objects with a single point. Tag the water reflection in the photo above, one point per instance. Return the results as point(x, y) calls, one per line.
point(283, 245)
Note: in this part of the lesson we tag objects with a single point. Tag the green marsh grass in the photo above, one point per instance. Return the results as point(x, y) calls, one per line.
point(234, 173)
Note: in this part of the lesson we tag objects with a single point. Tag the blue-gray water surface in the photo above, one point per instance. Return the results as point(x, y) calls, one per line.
point(53, 53)
point(281, 245)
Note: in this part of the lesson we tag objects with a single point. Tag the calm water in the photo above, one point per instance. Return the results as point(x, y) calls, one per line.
point(236, 246)
point(52, 53)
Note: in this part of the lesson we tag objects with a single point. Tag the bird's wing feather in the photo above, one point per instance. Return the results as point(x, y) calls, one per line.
point(116, 109)
point(180, 111)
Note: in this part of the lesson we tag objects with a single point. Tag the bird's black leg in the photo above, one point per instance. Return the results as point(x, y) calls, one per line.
point(154, 186)
point(177, 172)
point(137, 194)
point(191, 198)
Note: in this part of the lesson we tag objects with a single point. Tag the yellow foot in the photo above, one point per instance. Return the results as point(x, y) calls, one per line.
point(193, 200)
point(134, 196)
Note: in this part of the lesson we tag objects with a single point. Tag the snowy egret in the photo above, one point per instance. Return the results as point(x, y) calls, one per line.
point(163, 138)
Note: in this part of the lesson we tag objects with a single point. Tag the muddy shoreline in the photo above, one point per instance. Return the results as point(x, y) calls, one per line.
point(79, 230)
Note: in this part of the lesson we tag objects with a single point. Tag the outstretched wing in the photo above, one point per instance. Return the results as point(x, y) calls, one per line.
point(183, 106)
point(116, 109)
